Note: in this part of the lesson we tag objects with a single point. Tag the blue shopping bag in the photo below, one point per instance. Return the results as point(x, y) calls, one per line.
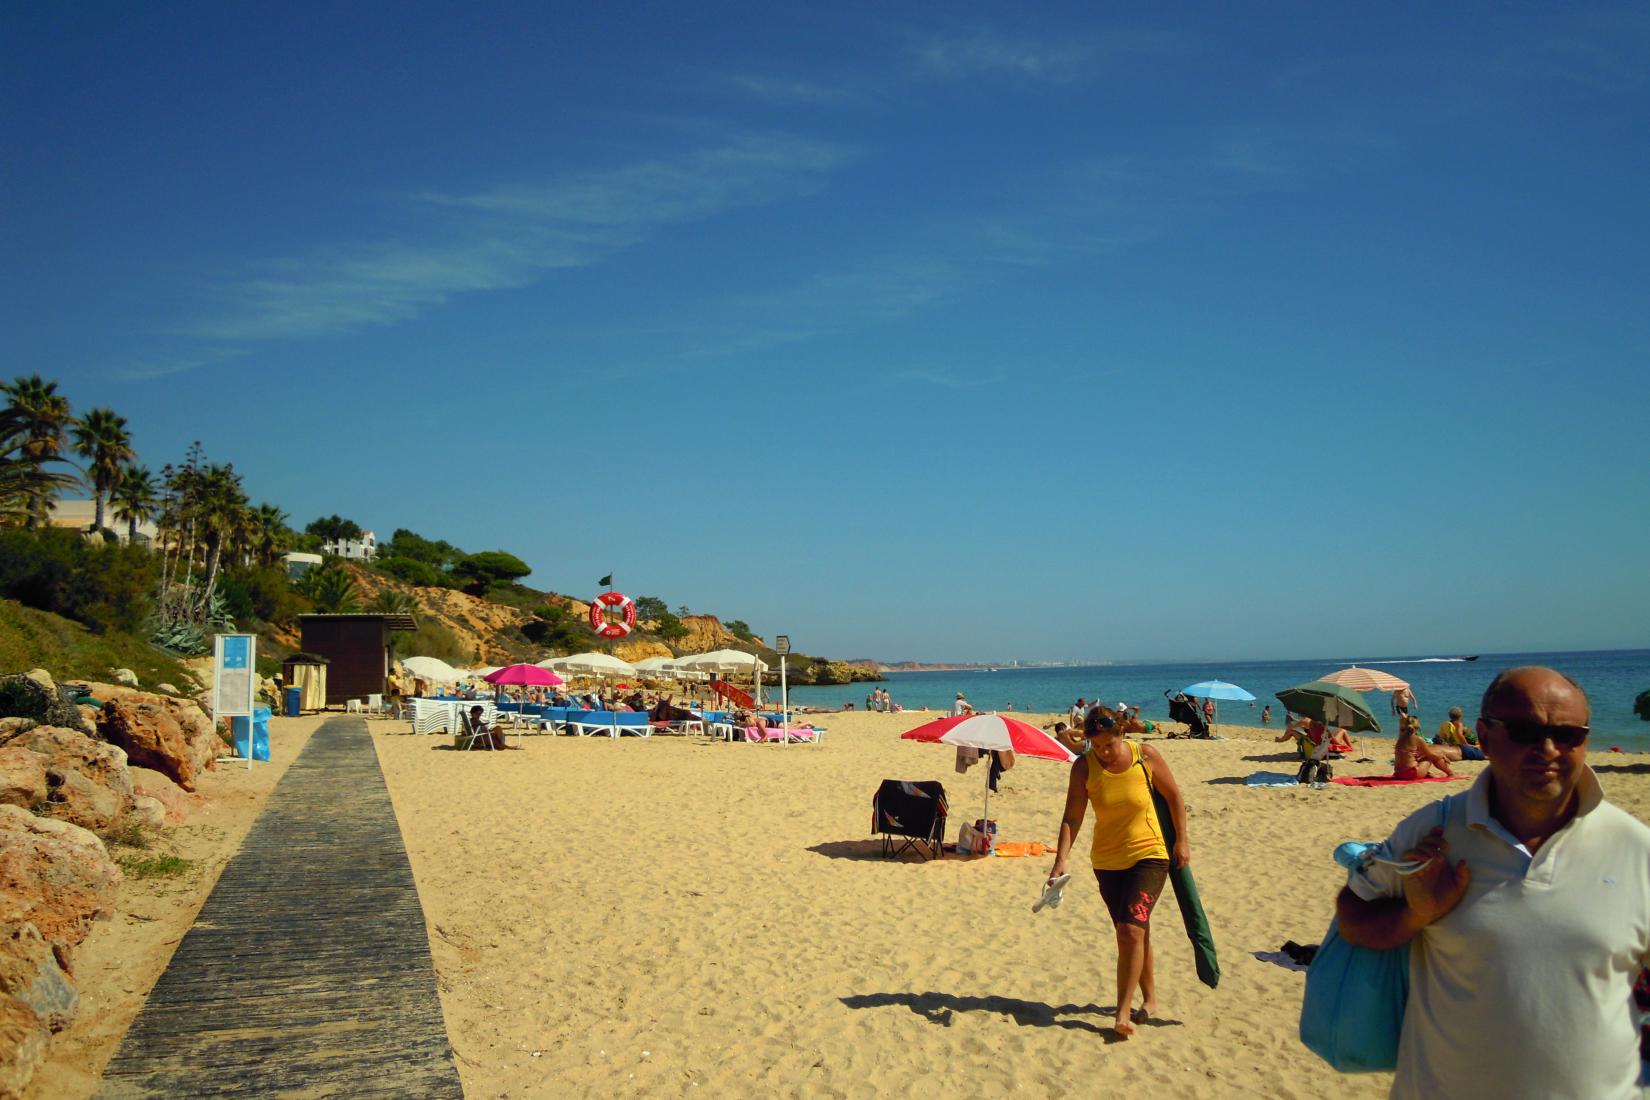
point(1353, 1011)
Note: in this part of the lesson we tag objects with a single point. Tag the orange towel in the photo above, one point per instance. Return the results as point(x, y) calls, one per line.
point(1010, 848)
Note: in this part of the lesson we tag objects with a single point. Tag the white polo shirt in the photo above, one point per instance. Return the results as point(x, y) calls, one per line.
point(1525, 988)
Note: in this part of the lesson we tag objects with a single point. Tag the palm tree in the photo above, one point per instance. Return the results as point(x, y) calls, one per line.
point(135, 498)
point(42, 413)
point(24, 479)
point(332, 588)
point(101, 438)
point(269, 533)
point(221, 507)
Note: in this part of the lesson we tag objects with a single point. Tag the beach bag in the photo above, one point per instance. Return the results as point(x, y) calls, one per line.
point(1353, 1011)
point(1192, 916)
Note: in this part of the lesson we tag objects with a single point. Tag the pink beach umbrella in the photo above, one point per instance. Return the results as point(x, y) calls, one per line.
point(991, 732)
point(528, 675)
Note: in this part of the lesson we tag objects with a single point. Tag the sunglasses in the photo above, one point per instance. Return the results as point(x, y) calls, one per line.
point(1530, 734)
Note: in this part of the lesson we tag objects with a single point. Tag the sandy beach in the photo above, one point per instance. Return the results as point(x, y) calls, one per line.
point(682, 917)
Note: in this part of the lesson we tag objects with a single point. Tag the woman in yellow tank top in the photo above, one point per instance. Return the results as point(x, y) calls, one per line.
point(1129, 857)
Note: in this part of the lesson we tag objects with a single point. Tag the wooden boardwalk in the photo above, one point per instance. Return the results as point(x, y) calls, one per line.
point(308, 972)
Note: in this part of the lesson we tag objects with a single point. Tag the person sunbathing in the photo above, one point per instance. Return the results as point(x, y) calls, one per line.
point(1412, 757)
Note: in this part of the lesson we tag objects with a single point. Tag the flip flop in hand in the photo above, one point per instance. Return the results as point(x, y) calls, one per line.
point(1053, 892)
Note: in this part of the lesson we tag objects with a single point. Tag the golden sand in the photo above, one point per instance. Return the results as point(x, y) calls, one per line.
point(682, 917)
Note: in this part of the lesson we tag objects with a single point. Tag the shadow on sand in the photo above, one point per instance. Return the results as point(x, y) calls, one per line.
point(859, 849)
point(942, 1008)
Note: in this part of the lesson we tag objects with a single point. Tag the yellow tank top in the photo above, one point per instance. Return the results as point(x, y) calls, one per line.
point(1125, 821)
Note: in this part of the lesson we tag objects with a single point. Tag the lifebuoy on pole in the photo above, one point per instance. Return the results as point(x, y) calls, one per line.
point(619, 602)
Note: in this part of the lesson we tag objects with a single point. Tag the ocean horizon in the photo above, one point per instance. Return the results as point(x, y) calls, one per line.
point(1611, 678)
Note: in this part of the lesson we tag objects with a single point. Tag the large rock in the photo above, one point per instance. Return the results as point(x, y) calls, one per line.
point(23, 1041)
point(87, 781)
point(146, 813)
point(171, 736)
point(124, 676)
point(29, 972)
point(177, 802)
point(23, 696)
point(22, 777)
point(55, 876)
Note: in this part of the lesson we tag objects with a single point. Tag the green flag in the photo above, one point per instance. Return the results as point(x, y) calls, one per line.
point(608, 580)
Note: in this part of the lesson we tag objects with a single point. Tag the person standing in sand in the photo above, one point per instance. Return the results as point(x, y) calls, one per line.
point(1128, 854)
point(1528, 921)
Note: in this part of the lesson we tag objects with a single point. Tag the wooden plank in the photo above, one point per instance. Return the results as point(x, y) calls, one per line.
point(308, 971)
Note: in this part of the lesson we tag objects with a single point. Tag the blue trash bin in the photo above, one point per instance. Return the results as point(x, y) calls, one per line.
point(258, 728)
point(294, 702)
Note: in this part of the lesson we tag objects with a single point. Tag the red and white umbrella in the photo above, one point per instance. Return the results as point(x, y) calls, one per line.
point(994, 733)
point(1366, 679)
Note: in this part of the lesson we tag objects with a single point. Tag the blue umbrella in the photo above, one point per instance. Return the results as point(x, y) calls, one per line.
point(1218, 689)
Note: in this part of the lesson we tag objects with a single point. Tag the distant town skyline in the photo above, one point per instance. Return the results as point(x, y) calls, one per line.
point(931, 332)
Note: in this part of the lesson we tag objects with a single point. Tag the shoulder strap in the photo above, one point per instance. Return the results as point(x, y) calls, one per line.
point(1140, 756)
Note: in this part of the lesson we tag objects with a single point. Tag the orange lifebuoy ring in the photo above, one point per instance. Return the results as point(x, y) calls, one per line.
point(626, 608)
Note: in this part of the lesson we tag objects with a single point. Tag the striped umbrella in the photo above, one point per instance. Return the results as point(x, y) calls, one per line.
point(993, 733)
point(1366, 679)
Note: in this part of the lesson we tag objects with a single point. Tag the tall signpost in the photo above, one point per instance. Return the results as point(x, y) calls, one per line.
point(234, 683)
point(782, 646)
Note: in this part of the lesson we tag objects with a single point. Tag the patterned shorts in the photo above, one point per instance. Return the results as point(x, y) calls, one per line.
point(1131, 894)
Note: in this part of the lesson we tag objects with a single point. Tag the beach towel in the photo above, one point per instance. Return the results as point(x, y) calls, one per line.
point(1014, 848)
point(1389, 780)
point(1272, 779)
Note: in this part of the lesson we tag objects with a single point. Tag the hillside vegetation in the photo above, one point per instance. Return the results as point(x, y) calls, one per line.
point(40, 639)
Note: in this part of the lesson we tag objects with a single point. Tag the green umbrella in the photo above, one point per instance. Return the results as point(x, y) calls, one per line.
point(1331, 704)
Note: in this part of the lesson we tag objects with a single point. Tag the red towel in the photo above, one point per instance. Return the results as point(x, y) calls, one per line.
point(1389, 780)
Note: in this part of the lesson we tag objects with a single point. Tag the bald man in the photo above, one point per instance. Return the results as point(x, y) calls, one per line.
point(1529, 920)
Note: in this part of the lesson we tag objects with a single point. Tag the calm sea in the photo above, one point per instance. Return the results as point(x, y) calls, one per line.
point(1612, 679)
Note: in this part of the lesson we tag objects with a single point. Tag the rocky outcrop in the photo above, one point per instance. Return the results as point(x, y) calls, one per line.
point(55, 876)
point(176, 802)
point(172, 736)
point(26, 696)
point(23, 1039)
point(22, 777)
point(86, 781)
point(29, 971)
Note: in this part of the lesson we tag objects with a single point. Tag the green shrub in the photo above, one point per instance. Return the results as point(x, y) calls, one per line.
point(413, 571)
point(105, 587)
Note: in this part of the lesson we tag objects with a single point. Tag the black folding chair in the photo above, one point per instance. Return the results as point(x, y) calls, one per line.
point(912, 811)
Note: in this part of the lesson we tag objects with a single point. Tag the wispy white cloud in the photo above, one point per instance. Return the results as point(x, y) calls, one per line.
point(507, 237)
point(778, 89)
point(1062, 60)
point(160, 366)
point(943, 379)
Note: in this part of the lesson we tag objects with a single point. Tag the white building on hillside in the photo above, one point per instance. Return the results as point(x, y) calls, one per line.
point(81, 514)
point(364, 548)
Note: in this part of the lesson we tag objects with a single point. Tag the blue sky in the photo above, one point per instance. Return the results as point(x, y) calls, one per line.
point(919, 331)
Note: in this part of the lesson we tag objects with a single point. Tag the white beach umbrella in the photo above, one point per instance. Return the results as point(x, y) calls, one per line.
point(724, 660)
point(728, 660)
point(591, 664)
point(659, 666)
point(433, 668)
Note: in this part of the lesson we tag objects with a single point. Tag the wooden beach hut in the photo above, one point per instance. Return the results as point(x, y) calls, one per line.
point(357, 649)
